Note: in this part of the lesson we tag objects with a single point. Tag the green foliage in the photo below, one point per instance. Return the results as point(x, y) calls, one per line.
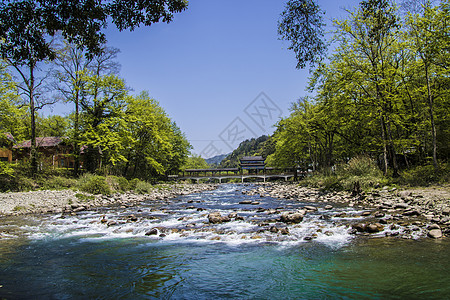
point(143, 187)
point(118, 184)
point(56, 183)
point(425, 175)
point(362, 170)
point(195, 162)
point(302, 25)
point(27, 25)
point(94, 184)
point(384, 91)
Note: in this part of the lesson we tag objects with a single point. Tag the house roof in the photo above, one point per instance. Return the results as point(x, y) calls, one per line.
point(50, 141)
point(10, 137)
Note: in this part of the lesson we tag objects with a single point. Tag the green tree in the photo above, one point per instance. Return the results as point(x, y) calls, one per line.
point(52, 126)
point(157, 145)
point(302, 25)
point(72, 64)
point(103, 102)
point(426, 35)
point(195, 162)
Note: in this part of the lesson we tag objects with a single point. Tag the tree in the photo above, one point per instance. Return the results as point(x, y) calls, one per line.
point(425, 36)
point(157, 145)
point(24, 23)
point(27, 28)
point(72, 64)
point(195, 162)
point(13, 118)
point(52, 126)
point(367, 41)
point(103, 102)
point(302, 25)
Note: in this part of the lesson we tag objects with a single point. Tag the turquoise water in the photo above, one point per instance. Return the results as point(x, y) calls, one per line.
point(51, 258)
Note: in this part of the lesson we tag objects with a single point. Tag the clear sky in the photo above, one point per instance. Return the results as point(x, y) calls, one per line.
point(219, 69)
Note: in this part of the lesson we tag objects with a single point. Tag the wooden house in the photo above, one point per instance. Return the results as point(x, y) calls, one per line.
point(54, 151)
point(6, 145)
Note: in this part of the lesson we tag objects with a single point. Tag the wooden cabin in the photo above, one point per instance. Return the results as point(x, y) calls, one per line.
point(6, 145)
point(55, 151)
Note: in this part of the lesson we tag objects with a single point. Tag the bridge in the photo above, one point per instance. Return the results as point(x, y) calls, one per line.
point(224, 174)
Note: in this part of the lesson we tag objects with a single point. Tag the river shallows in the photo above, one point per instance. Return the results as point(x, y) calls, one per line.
point(78, 257)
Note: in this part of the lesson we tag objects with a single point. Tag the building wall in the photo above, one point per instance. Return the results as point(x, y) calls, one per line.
point(5, 155)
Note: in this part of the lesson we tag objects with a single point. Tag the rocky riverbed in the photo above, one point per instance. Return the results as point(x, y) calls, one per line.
point(71, 202)
point(403, 212)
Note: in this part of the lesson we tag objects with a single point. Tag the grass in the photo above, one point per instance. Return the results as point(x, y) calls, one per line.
point(359, 170)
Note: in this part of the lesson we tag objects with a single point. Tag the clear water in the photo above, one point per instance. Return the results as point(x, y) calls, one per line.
point(81, 258)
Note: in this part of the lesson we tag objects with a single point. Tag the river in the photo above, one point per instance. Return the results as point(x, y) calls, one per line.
point(168, 250)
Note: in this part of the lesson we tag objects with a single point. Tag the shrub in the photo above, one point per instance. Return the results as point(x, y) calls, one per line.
point(57, 182)
point(133, 183)
point(425, 175)
point(143, 187)
point(360, 169)
point(94, 184)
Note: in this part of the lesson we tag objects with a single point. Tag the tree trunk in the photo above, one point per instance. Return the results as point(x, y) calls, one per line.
point(33, 150)
point(76, 145)
point(383, 136)
point(392, 148)
point(433, 126)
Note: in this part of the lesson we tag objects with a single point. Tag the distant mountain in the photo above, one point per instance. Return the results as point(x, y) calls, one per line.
point(263, 146)
point(216, 160)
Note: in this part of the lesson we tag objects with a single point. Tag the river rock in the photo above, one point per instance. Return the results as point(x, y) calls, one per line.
point(435, 233)
point(374, 228)
point(328, 207)
point(217, 218)
point(80, 208)
point(359, 227)
point(152, 231)
point(401, 206)
point(245, 202)
point(434, 226)
point(284, 231)
point(310, 208)
point(292, 217)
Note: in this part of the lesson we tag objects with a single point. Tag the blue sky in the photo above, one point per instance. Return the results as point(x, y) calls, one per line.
point(218, 69)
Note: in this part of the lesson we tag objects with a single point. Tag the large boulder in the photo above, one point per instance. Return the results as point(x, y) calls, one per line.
point(217, 218)
point(374, 228)
point(435, 233)
point(295, 217)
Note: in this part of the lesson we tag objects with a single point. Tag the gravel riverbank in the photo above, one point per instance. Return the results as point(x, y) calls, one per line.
point(69, 201)
point(403, 212)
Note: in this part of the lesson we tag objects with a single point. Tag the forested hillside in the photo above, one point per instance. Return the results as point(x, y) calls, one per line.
point(259, 146)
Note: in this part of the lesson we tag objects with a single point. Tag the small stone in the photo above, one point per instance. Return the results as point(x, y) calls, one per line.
point(153, 231)
point(245, 202)
point(446, 211)
point(328, 207)
point(132, 218)
point(111, 223)
point(310, 208)
point(284, 231)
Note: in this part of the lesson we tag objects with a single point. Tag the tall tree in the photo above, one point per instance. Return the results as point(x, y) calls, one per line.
point(72, 65)
point(302, 25)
